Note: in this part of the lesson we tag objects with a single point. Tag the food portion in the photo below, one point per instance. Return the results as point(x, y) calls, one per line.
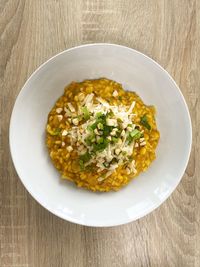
point(101, 136)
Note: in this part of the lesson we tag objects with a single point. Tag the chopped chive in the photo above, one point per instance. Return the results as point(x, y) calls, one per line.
point(92, 126)
point(99, 114)
point(57, 131)
point(100, 140)
point(118, 132)
point(85, 157)
point(107, 130)
point(100, 126)
point(81, 164)
point(145, 122)
point(88, 141)
point(79, 117)
point(89, 168)
point(86, 113)
point(101, 146)
point(114, 139)
point(89, 128)
point(110, 113)
point(106, 164)
point(135, 134)
point(119, 120)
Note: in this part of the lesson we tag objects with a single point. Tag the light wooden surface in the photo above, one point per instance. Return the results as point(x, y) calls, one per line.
point(31, 31)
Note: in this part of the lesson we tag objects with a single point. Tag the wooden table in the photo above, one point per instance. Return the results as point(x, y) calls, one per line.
point(32, 31)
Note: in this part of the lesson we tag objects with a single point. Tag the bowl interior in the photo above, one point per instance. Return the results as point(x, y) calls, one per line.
point(136, 72)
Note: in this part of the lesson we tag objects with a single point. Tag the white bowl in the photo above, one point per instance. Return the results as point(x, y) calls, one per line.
point(136, 72)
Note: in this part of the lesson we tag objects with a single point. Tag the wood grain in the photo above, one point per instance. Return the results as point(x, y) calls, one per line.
point(33, 31)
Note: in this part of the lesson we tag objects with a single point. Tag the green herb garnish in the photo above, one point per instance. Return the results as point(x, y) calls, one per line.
point(89, 168)
point(81, 164)
point(107, 130)
point(101, 146)
point(100, 140)
point(88, 141)
point(145, 122)
point(110, 114)
point(106, 164)
point(57, 131)
point(99, 114)
point(93, 126)
point(86, 113)
point(89, 128)
point(85, 157)
point(100, 126)
point(114, 139)
point(134, 135)
point(119, 120)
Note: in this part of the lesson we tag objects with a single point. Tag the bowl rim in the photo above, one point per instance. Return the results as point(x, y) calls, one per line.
point(79, 221)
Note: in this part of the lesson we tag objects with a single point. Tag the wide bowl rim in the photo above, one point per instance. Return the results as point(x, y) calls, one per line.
point(68, 218)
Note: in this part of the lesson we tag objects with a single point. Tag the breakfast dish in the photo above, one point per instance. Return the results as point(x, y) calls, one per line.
point(101, 136)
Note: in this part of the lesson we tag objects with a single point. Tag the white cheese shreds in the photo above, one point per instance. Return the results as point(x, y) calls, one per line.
point(64, 132)
point(88, 99)
point(60, 117)
point(111, 122)
point(117, 151)
point(108, 174)
point(96, 131)
point(128, 171)
point(123, 133)
point(83, 151)
point(69, 148)
point(67, 112)
point(115, 93)
point(143, 143)
point(131, 107)
point(59, 110)
point(75, 121)
point(119, 142)
point(113, 167)
point(72, 109)
point(102, 101)
point(81, 147)
point(100, 179)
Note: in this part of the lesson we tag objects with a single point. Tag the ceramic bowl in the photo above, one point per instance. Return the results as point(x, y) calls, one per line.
point(136, 72)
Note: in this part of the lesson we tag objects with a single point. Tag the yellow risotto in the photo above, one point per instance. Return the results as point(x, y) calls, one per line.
point(101, 136)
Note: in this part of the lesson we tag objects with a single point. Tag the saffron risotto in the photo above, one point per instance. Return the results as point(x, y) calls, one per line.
point(101, 136)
